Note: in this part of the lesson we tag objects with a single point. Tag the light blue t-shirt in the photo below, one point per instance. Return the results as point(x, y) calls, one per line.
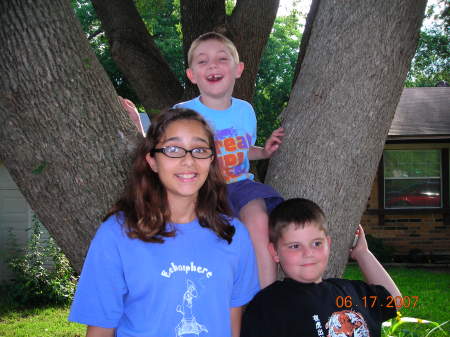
point(184, 286)
point(234, 133)
point(145, 121)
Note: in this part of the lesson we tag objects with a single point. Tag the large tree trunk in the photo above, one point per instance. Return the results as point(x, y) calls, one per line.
point(342, 106)
point(137, 56)
point(63, 136)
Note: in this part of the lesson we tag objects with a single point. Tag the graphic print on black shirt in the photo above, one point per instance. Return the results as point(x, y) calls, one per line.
point(347, 323)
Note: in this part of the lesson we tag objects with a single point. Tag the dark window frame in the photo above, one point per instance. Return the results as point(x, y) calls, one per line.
point(381, 211)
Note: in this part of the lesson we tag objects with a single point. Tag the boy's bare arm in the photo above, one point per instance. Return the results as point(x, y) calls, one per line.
point(272, 144)
point(373, 271)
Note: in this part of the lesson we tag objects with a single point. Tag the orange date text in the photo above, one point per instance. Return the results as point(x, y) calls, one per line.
point(372, 301)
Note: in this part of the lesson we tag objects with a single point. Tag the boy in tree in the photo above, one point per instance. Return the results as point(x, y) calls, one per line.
point(214, 67)
point(304, 304)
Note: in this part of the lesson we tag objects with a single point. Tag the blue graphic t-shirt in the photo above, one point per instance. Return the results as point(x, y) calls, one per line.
point(234, 133)
point(182, 287)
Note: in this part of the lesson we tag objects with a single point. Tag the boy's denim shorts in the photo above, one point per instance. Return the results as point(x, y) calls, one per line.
point(242, 192)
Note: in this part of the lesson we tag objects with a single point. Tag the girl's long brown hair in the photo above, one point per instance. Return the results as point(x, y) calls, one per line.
point(144, 200)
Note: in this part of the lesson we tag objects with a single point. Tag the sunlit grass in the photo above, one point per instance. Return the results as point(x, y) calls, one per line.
point(433, 291)
point(37, 322)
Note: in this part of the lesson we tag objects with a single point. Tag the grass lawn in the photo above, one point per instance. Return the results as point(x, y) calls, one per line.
point(432, 289)
point(37, 322)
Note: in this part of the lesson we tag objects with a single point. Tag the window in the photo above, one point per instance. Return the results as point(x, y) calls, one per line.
point(412, 178)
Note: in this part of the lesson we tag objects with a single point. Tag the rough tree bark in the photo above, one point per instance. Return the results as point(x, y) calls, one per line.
point(341, 108)
point(63, 136)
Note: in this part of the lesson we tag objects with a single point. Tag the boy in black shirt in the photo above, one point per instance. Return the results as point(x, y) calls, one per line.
point(305, 305)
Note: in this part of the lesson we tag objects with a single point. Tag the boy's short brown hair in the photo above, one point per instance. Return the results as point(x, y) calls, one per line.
point(213, 36)
point(296, 211)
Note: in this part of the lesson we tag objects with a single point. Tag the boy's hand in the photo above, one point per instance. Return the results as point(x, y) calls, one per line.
point(371, 268)
point(273, 143)
point(361, 247)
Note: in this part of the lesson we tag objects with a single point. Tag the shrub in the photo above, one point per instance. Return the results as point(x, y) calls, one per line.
point(41, 273)
point(382, 252)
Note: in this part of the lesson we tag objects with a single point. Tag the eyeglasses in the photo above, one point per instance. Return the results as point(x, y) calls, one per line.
point(179, 152)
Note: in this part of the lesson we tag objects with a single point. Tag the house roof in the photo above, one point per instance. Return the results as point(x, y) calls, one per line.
point(422, 113)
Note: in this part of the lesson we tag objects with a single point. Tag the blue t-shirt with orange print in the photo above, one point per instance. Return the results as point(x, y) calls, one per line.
point(234, 133)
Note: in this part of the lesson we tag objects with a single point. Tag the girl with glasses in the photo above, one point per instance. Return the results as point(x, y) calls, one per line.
point(169, 260)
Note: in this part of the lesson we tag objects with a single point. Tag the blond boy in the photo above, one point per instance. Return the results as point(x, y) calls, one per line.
point(214, 66)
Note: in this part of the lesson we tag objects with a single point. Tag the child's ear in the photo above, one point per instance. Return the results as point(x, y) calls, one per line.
point(190, 75)
point(329, 241)
point(240, 69)
point(273, 252)
point(151, 162)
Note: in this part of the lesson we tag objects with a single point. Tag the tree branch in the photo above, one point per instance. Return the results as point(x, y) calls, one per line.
point(136, 54)
point(305, 38)
point(249, 27)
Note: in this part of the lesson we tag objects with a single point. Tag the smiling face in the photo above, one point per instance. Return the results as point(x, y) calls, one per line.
point(214, 69)
point(302, 252)
point(182, 177)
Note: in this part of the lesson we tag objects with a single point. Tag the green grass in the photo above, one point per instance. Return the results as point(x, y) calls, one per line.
point(37, 322)
point(432, 288)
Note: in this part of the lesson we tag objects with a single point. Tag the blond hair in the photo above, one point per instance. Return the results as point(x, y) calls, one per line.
point(213, 36)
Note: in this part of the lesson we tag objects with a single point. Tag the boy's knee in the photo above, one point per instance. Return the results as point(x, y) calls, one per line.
point(253, 208)
point(257, 222)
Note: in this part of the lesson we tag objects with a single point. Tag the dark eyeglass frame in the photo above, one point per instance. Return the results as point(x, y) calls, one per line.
point(185, 152)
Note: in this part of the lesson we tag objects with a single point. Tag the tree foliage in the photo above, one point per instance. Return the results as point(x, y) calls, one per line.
point(274, 80)
point(431, 63)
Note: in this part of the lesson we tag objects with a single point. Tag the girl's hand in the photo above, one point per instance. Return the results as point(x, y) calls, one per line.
point(132, 111)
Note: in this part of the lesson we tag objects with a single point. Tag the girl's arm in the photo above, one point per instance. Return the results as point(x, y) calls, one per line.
point(373, 271)
point(236, 318)
point(95, 331)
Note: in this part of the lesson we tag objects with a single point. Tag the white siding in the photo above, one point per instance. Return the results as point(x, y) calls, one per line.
point(15, 215)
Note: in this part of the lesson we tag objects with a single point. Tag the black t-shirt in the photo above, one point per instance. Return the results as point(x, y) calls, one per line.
point(332, 308)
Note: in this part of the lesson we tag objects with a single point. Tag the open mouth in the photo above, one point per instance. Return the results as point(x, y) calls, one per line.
point(186, 176)
point(214, 77)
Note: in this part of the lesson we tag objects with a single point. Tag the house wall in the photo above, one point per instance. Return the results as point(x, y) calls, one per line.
point(409, 230)
point(15, 217)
